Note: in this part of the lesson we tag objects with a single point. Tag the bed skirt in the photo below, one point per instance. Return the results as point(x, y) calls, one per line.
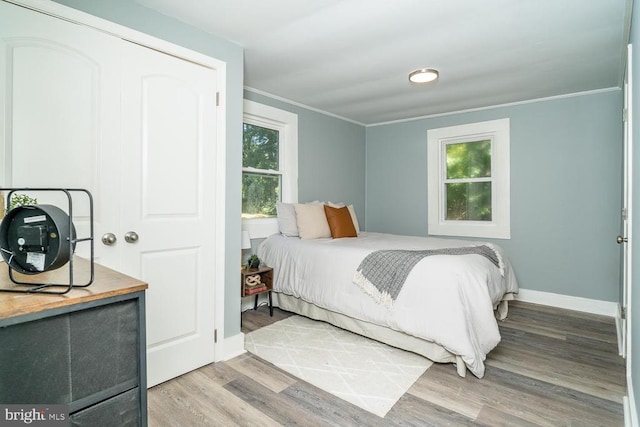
point(430, 350)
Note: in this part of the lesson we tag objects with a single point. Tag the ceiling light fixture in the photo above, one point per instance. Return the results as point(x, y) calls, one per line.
point(423, 76)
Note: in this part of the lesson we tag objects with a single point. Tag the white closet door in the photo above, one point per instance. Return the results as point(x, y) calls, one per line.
point(60, 124)
point(168, 183)
point(83, 109)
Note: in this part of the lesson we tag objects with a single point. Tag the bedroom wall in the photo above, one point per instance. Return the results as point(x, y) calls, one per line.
point(331, 161)
point(133, 15)
point(565, 188)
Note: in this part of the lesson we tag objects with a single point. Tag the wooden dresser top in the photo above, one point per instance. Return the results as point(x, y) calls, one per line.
point(107, 283)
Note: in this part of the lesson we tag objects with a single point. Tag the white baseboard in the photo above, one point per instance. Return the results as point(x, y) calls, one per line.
point(630, 408)
point(604, 308)
point(247, 303)
point(233, 346)
point(619, 325)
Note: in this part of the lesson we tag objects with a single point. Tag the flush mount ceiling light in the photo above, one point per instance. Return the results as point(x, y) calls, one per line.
point(423, 76)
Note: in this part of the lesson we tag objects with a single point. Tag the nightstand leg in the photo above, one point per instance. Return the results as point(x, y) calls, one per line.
point(255, 304)
point(270, 305)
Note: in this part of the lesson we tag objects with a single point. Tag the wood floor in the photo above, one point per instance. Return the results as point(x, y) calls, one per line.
point(553, 368)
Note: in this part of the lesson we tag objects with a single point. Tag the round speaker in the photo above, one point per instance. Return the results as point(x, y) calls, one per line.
point(34, 239)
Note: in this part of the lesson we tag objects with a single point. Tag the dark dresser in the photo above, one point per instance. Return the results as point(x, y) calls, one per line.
point(85, 349)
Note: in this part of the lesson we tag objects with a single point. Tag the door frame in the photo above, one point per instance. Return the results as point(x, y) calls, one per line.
point(627, 206)
point(73, 15)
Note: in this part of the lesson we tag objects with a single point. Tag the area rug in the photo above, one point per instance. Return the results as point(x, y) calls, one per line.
point(364, 372)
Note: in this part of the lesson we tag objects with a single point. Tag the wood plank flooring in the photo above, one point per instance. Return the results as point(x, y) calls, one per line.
point(553, 368)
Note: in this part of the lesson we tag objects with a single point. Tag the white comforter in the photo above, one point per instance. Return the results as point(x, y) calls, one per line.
point(446, 299)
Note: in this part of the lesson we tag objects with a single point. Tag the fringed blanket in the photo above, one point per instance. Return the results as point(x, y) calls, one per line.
point(382, 274)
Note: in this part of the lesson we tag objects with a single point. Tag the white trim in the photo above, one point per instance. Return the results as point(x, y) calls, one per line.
point(492, 107)
point(233, 347)
point(260, 228)
point(620, 331)
point(82, 18)
point(498, 131)
point(430, 116)
point(629, 404)
point(287, 123)
point(586, 305)
point(297, 104)
point(73, 15)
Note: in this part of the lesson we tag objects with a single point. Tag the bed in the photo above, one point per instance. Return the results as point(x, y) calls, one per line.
point(445, 311)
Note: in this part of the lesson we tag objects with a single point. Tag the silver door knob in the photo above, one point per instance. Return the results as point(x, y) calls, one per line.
point(131, 237)
point(109, 239)
point(621, 240)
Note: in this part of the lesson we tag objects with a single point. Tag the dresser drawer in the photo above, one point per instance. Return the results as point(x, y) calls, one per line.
point(122, 411)
point(104, 348)
point(72, 357)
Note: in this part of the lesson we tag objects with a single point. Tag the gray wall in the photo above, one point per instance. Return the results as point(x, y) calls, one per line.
point(132, 15)
point(331, 162)
point(565, 189)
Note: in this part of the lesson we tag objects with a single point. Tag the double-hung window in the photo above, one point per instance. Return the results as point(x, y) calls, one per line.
point(269, 165)
point(468, 173)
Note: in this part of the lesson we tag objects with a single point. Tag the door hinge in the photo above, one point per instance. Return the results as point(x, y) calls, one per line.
point(623, 313)
point(217, 99)
point(215, 336)
point(625, 114)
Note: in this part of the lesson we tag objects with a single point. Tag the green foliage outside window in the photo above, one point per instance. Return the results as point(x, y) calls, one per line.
point(468, 186)
point(260, 147)
point(261, 188)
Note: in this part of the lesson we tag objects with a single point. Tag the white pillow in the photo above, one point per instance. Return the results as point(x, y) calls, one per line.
point(312, 221)
point(287, 219)
point(354, 218)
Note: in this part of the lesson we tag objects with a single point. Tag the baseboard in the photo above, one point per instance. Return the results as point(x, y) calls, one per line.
point(247, 303)
point(619, 333)
point(604, 308)
point(233, 346)
point(630, 408)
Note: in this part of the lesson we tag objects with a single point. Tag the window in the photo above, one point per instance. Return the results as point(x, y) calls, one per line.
point(269, 165)
point(468, 173)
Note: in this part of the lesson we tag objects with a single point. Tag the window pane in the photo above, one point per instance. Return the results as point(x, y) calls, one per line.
point(469, 160)
point(260, 147)
point(259, 195)
point(468, 201)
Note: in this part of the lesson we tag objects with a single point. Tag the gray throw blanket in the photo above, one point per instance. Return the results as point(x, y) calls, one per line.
point(382, 274)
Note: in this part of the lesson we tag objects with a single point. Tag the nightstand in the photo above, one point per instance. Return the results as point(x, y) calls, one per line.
point(256, 281)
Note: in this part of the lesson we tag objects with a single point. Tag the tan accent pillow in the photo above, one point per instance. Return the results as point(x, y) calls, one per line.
point(312, 221)
point(340, 222)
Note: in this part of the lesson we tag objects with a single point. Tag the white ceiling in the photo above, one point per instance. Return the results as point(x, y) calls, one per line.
point(351, 58)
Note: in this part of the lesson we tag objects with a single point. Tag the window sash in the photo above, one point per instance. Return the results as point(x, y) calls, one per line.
point(498, 226)
point(287, 124)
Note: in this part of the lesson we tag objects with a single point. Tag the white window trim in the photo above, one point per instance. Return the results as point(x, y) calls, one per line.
point(287, 123)
point(500, 226)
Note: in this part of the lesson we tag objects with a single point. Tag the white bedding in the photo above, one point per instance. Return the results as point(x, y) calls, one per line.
point(446, 299)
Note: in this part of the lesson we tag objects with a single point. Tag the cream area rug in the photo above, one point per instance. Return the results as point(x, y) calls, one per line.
point(364, 372)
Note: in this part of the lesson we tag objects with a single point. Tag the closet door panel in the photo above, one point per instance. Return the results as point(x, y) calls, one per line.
point(60, 121)
point(47, 109)
point(169, 143)
point(170, 139)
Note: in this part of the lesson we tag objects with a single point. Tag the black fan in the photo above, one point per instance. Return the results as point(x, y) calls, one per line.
point(38, 238)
